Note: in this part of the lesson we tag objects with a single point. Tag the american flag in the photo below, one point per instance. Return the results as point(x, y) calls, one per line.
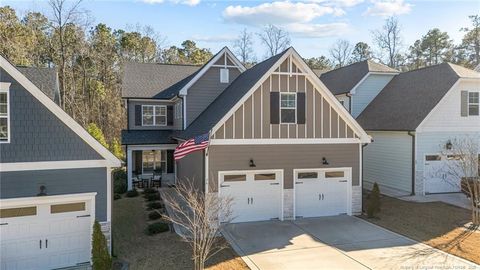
point(198, 143)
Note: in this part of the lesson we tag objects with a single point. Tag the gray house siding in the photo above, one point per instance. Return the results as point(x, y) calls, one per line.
point(191, 169)
point(132, 115)
point(19, 184)
point(205, 90)
point(367, 91)
point(37, 134)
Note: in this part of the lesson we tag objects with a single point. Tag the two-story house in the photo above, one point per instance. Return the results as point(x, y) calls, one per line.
point(280, 144)
point(55, 179)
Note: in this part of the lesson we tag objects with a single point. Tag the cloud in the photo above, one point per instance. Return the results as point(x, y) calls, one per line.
point(305, 30)
point(282, 12)
point(183, 2)
point(215, 39)
point(338, 3)
point(387, 8)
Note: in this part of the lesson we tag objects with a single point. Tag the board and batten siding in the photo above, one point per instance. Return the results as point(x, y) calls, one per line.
point(252, 119)
point(367, 91)
point(388, 161)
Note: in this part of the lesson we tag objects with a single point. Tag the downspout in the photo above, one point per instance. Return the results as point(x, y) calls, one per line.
point(349, 103)
point(363, 146)
point(413, 161)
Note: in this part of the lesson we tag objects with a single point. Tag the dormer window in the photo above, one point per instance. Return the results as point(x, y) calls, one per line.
point(224, 75)
point(154, 115)
point(4, 113)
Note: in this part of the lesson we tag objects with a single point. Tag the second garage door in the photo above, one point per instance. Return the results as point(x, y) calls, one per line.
point(322, 192)
point(256, 195)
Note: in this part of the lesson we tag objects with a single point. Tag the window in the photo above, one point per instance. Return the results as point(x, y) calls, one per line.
point(234, 177)
point(334, 174)
point(473, 103)
point(18, 212)
point(154, 115)
point(224, 75)
point(265, 176)
point(178, 110)
point(288, 108)
point(308, 175)
point(4, 117)
point(154, 160)
point(67, 207)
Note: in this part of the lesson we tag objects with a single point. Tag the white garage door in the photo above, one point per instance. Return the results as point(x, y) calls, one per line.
point(256, 195)
point(45, 233)
point(322, 192)
point(440, 176)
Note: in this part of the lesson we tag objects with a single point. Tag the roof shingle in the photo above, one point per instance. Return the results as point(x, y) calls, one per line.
point(43, 78)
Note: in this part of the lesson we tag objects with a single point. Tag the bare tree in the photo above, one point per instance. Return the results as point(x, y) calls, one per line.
point(243, 46)
point(275, 39)
point(340, 52)
point(201, 218)
point(388, 40)
point(463, 167)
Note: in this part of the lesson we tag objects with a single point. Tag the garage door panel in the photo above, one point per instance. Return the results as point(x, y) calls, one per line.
point(439, 175)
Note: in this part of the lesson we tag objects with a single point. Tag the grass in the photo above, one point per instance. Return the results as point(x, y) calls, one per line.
point(161, 251)
point(436, 224)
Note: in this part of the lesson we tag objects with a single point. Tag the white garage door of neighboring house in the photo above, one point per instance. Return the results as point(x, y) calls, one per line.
point(322, 192)
point(440, 176)
point(46, 232)
point(256, 195)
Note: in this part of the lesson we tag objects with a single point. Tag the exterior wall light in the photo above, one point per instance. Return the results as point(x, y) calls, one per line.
point(449, 145)
point(252, 164)
point(43, 191)
point(324, 161)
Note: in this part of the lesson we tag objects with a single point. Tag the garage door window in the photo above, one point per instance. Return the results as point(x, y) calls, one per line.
point(334, 174)
point(67, 207)
point(18, 212)
point(234, 177)
point(307, 175)
point(433, 157)
point(265, 176)
point(454, 157)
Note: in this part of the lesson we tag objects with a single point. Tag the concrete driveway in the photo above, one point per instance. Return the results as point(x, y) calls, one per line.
point(340, 242)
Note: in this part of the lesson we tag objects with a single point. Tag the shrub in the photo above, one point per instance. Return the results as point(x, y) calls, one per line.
point(119, 181)
point(154, 215)
point(149, 191)
point(117, 196)
point(101, 259)
point(154, 205)
point(151, 197)
point(132, 193)
point(373, 201)
point(157, 227)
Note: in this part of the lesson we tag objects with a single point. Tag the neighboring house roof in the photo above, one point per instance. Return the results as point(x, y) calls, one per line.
point(343, 80)
point(408, 98)
point(110, 159)
point(153, 80)
point(147, 137)
point(319, 72)
point(44, 78)
point(228, 98)
point(477, 68)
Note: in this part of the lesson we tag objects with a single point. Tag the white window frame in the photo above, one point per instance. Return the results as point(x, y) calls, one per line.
point(288, 108)
point(468, 103)
point(224, 75)
point(163, 153)
point(154, 115)
point(5, 88)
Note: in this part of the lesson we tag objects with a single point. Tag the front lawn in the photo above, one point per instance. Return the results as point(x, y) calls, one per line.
point(160, 251)
point(436, 224)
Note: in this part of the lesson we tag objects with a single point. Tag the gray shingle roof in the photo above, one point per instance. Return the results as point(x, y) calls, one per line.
point(408, 98)
point(148, 80)
point(44, 78)
point(147, 137)
point(342, 80)
point(228, 98)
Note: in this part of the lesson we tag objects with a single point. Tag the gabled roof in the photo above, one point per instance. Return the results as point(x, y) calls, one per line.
point(409, 97)
point(110, 159)
point(44, 78)
point(343, 80)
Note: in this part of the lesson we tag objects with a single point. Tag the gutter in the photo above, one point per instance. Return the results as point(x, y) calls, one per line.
point(413, 161)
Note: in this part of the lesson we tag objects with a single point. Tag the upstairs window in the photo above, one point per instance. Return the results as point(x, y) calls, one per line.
point(473, 103)
point(154, 115)
point(4, 117)
point(288, 108)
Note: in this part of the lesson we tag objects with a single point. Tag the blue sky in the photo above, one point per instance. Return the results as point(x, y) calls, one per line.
point(313, 24)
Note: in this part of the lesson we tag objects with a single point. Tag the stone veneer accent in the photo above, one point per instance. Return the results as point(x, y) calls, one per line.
point(419, 183)
point(106, 228)
point(288, 204)
point(356, 200)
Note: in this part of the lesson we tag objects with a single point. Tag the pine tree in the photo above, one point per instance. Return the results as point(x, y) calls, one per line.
point(100, 257)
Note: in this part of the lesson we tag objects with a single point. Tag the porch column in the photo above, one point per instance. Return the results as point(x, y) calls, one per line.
point(129, 169)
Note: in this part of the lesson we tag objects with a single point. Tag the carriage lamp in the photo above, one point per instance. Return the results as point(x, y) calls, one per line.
point(448, 145)
point(324, 161)
point(43, 191)
point(252, 164)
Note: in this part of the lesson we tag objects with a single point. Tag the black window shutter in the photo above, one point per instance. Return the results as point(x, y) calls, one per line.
point(170, 161)
point(274, 107)
point(138, 115)
point(169, 115)
point(138, 161)
point(300, 108)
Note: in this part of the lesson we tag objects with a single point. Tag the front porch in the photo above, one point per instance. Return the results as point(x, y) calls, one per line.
point(150, 165)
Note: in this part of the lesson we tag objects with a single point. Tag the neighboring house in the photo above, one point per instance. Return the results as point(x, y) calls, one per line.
point(281, 146)
point(413, 120)
point(356, 85)
point(55, 179)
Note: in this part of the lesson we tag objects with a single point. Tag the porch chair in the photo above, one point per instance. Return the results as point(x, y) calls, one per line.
point(156, 179)
point(136, 181)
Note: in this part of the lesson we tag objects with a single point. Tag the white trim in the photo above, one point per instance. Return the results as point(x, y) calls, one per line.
point(13, 202)
point(283, 141)
point(354, 89)
point(184, 112)
point(5, 88)
point(154, 115)
point(469, 103)
point(52, 165)
point(225, 66)
point(58, 112)
point(206, 170)
point(225, 51)
point(152, 147)
point(109, 194)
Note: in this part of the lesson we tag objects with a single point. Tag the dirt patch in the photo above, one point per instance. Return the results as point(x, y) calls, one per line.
point(161, 251)
point(436, 224)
